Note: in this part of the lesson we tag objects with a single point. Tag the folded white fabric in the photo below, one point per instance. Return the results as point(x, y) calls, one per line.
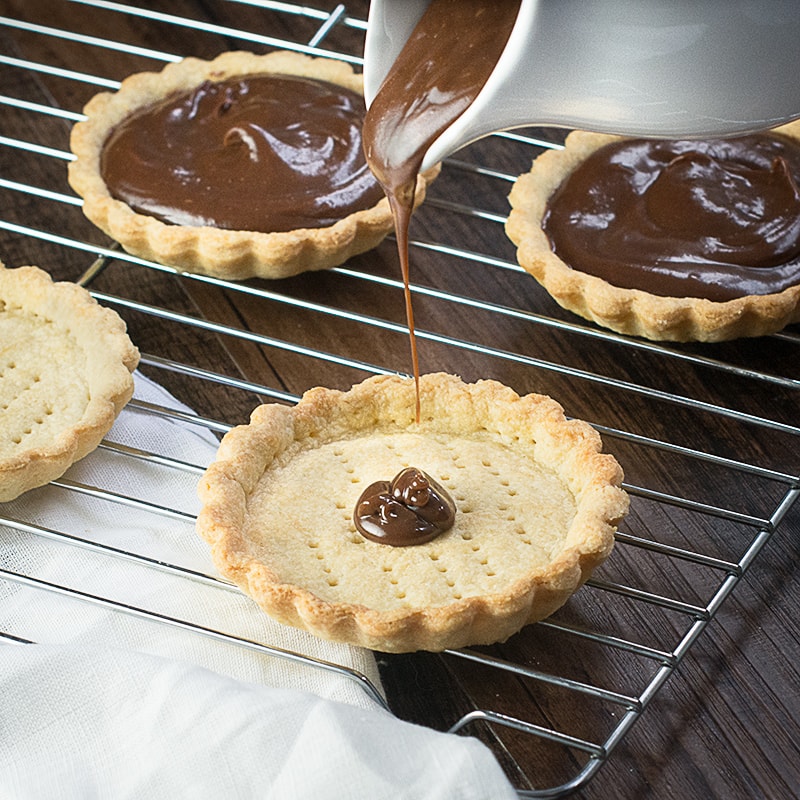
point(144, 530)
point(131, 691)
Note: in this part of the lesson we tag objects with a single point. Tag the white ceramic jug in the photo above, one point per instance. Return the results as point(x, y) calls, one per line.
point(662, 68)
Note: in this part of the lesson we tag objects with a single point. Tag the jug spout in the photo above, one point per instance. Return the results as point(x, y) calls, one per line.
point(655, 68)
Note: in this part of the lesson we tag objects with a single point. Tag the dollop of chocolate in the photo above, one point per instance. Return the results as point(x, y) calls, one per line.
point(257, 153)
point(412, 508)
point(717, 219)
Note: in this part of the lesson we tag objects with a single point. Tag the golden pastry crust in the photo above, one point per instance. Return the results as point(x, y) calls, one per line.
point(629, 311)
point(65, 374)
point(538, 504)
point(213, 251)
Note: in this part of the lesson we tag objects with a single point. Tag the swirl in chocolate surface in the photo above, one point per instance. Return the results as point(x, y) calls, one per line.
point(264, 153)
point(715, 219)
point(412, 508)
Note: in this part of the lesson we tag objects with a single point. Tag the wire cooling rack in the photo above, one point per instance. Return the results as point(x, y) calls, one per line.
point(700, 515)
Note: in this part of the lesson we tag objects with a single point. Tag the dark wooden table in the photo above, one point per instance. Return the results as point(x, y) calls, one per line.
point(708, 435)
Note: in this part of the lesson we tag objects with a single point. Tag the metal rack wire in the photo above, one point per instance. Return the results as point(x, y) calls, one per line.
point(683, 611)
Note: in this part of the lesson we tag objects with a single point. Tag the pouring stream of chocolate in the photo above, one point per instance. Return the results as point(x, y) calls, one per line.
point(445, 63)
point(440, 71)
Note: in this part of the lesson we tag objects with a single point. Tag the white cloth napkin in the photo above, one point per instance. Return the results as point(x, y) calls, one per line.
point(142, 698)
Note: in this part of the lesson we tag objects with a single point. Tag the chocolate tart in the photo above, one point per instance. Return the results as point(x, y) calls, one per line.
point(635, 312)
point(199, 247)
point(537, 507)
point(65, 374)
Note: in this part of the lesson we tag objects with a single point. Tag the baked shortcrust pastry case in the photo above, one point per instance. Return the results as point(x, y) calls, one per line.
point(633, 311)
point(201, 248)
point(537, 505)
point(65, 374)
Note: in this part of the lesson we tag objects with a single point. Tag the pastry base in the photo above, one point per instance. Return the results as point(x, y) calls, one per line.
point(629, 311)
point(211, 251)
point(537, 506)
point(65, 374)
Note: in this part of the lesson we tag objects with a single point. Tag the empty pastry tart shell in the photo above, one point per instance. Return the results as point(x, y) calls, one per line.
point(629, 311)
point(537, 508)
point(56, 337)
point(230, 254)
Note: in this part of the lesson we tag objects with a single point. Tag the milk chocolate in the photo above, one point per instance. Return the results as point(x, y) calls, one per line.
point(443, 66)
point(714, 219)
point(410, 509)
point(261, 153)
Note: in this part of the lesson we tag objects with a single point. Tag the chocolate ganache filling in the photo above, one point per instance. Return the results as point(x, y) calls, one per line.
point(264, 153)
point(410, 509)
point(714, 219)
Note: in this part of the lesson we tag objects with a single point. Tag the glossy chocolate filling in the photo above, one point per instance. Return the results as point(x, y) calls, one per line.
point(715, 219)
point(410, 509)
point(257, 153)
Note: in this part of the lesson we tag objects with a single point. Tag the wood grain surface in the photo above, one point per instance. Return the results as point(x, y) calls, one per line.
point(707, 434)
